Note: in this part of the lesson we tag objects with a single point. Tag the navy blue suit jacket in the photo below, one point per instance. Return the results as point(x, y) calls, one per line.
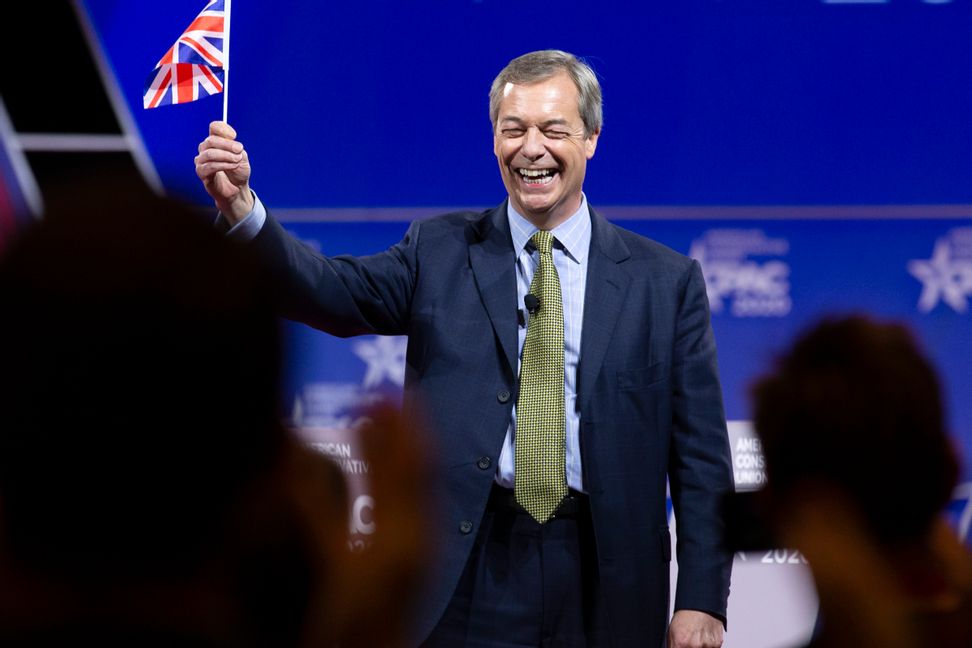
point(647, 384)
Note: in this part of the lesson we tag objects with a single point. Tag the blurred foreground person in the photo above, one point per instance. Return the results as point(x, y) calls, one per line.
point(148, 494)
point(859, 470)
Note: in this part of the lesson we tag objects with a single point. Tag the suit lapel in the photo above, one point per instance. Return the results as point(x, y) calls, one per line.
point(493, 264)
point(607, 285)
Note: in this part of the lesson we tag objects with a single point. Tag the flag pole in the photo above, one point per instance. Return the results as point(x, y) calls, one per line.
point(226, 50)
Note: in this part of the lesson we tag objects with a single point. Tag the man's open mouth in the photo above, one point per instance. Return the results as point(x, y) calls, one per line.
point(537, 176)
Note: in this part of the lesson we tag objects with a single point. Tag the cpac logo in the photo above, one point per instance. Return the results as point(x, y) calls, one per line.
point(751, 288)
point(945, 277)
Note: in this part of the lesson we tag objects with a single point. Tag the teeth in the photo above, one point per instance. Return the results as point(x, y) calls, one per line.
point(535, 173)
point(537, 176)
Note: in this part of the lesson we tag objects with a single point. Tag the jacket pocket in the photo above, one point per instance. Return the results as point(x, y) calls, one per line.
point(642, 377)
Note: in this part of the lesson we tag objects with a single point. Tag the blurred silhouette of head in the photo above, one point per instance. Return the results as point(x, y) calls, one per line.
point(855, 406)
point(139, 383)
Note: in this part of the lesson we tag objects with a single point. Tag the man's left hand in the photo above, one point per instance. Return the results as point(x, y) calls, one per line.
point(693, 629)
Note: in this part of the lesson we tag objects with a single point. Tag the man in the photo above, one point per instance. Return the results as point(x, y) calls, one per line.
point(525, 558)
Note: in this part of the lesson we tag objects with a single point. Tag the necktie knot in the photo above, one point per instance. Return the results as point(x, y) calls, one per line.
point(543, 241)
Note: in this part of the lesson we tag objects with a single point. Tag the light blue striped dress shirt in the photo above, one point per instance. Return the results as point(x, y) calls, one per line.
point(570, 253)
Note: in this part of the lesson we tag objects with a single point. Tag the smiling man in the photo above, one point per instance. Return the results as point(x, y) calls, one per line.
point(542, 145)
point(567, 367)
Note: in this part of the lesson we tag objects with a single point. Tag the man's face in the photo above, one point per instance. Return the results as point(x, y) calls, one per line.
point(542, 149)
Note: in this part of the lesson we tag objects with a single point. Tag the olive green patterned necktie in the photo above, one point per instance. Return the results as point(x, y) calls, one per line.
point(540, 482)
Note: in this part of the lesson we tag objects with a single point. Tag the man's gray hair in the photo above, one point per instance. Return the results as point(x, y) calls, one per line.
point(534, 67)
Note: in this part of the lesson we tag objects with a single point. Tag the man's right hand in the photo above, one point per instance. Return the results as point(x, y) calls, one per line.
point(224, 168)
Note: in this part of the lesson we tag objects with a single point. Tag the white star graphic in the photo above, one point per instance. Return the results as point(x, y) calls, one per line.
point(943, 278)
point(385, 357)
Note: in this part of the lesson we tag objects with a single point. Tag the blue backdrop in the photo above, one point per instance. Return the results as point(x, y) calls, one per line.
point(815, 156)
point(707, 102)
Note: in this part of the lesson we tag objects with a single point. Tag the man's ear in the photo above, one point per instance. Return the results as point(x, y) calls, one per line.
point(590, 144)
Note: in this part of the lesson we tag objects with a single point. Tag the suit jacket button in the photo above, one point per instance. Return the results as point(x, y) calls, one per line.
point(503, 395)
point(484, 463)
point(465, 527)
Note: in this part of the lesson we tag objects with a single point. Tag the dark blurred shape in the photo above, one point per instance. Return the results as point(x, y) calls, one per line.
point(859, 469)
point(371, 593)
point(748, 527)
point(148, 494)
point(141, 363)
point(856, 404)
point(142, 498)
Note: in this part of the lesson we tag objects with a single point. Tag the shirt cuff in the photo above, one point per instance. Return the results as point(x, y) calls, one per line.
point(248, 228)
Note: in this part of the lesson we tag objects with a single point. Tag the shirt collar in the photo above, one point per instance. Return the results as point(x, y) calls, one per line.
point(574, 234)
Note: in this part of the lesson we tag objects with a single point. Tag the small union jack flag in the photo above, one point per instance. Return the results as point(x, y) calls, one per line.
point(193, 68)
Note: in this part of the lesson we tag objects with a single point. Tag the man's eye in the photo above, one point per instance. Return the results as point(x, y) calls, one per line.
point(513, 132)
point(556, 134)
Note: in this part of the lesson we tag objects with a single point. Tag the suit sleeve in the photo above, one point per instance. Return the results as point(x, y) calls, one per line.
point(700, 468)
point(341, 295)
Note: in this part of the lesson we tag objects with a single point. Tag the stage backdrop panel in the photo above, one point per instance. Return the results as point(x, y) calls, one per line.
point(813, 155)
point(382, 103)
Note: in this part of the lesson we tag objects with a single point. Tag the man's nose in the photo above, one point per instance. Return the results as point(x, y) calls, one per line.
point(533, 146)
